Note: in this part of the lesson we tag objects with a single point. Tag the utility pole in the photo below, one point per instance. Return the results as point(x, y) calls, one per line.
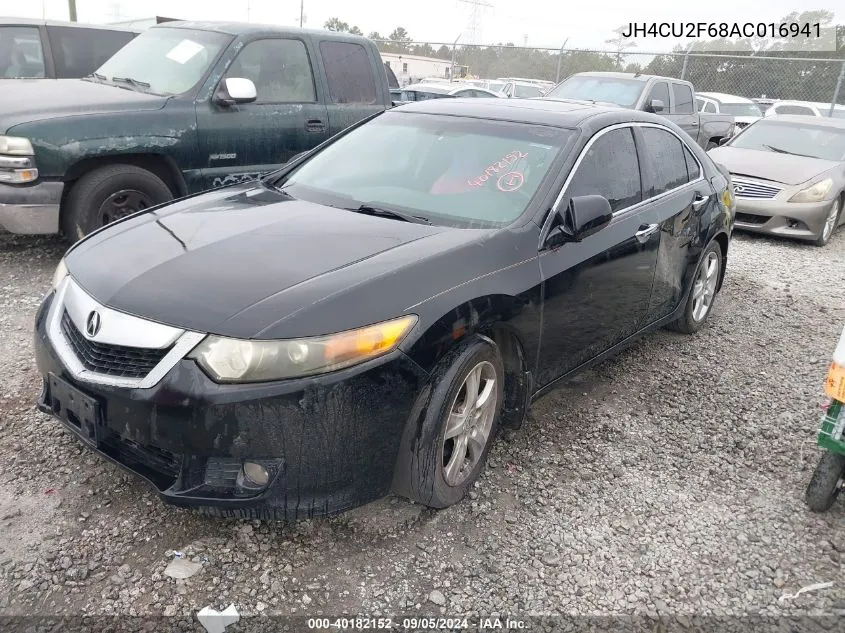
point(559, 59)
point(71, 7)
point(454, 53)
point(301, 12)
point(475, 18)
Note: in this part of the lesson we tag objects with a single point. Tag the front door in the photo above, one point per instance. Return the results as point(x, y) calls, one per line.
point(243, 141)
point(596, 292)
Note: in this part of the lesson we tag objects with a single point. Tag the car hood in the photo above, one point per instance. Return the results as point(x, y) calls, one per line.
point(28, 100)
point(251, 263)
point(782, 168)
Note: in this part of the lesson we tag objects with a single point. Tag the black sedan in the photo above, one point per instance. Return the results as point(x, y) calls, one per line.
point(363, 322)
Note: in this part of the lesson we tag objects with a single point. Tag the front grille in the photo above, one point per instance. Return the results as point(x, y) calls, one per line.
point(754, 190)
point(111, 360)
point(750, 218)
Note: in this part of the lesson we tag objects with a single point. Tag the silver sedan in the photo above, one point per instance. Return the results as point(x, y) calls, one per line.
point(788, 174)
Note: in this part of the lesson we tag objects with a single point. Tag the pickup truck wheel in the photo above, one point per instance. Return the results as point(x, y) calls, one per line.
point(107, 194)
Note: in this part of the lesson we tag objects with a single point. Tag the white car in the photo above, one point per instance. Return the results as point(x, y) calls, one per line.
point(806, 108)
point(423, 91)
point(744, 111)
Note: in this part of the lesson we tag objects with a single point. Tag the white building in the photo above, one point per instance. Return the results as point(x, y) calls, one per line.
point(412, 68)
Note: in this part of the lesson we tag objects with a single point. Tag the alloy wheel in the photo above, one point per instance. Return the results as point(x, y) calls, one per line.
point(704, 288)
point(469, 423)
point(830, 222)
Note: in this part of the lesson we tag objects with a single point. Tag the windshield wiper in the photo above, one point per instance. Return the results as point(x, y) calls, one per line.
point(132, 82)
point(98, 76)
point(784, 151)
point(383, 212)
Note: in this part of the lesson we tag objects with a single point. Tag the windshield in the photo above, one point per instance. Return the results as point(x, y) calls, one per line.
point(623, 92)
point(740, 109)
point(423, 95)
point(165, 60)
point(456, 171)
point(496, 86)
point(793, 138)
point(527, 92)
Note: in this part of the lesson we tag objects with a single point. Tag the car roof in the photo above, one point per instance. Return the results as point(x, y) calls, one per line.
point(252, 28)
point(558, 113)
point(723, 97)
point(813, 121)
point(617, 75)
point(9, 21)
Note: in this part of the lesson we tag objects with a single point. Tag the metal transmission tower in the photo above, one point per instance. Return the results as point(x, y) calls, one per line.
point(475, 18)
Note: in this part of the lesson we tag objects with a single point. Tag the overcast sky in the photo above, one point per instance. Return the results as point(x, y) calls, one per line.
point(544, 22)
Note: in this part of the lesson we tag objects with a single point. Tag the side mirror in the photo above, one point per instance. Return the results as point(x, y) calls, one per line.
point(655, 105)
point(234, 90)
point(586, 216)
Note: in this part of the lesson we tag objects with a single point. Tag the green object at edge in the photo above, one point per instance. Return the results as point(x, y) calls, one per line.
point(833, 423)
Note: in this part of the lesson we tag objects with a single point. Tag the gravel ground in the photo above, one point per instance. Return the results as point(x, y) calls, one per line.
point(669, 480)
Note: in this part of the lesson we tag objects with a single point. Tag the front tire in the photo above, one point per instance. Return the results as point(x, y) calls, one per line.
point(109, 193)
point(703, 292)
point(459, 424)
point(830, 223)
point(825, 484)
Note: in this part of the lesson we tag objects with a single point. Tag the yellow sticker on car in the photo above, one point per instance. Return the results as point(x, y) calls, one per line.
point(834, 386)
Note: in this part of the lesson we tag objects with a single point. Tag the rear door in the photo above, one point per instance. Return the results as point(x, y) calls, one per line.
point(597, 291)
point(683, 112)
point(243, 141)
point(350, 73)
point(679, 196)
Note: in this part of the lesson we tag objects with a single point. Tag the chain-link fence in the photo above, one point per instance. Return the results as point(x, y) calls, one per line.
point(753, 76)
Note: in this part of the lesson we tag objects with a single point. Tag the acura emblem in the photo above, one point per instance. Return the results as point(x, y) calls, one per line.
point(92, 324)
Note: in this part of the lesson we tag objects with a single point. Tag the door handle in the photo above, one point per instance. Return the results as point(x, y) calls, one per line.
point(646, 231)
point(315, 125)
point(699, 202)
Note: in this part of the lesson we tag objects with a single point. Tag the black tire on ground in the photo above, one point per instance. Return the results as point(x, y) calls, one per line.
point(824, 485)
point(686, 324)
point(425, 478)
point(821, 241)
point(131, 189)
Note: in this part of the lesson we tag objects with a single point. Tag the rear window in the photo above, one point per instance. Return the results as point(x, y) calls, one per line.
point(683, 99)
point(349, 72)
point(20, 52)
point(77, 52)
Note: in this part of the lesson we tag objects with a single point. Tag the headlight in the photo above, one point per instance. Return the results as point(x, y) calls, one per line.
point(815, 193)
point(237, 360)
point(16, 146)
point(60, 274)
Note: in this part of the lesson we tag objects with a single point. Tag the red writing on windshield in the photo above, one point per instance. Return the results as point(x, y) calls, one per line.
point(499, 166)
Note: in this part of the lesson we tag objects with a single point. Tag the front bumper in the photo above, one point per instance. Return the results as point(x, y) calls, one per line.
point(31, 209)
point(330, 442)
point(799, 220)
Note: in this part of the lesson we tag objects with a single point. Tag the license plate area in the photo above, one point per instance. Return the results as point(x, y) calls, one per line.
point(79, 410)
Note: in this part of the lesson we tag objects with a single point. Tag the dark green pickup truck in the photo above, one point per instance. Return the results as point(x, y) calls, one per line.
point(184, 107)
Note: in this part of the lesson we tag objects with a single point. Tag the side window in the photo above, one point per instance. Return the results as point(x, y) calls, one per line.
point(660, 91)
point(279, 68)
point(710, 107)
point(683, 99)
point(794, 109)
point(20, 52)
point(699, 104)
point(693, 169)
point(665, 165)
point(349, 72)
point(77, 51)
point(610, 169)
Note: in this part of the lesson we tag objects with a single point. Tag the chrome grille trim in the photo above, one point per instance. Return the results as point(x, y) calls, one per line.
point(754, 189)
point(133, 329)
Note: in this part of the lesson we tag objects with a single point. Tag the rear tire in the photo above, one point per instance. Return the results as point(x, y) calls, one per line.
point(831, 222)
point(108, 194)
point(441, 469)
point(824, 485)
point(704, 289)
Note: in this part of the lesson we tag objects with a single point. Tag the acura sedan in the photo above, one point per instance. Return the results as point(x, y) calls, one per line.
point(360, 322)
point(788, 173)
